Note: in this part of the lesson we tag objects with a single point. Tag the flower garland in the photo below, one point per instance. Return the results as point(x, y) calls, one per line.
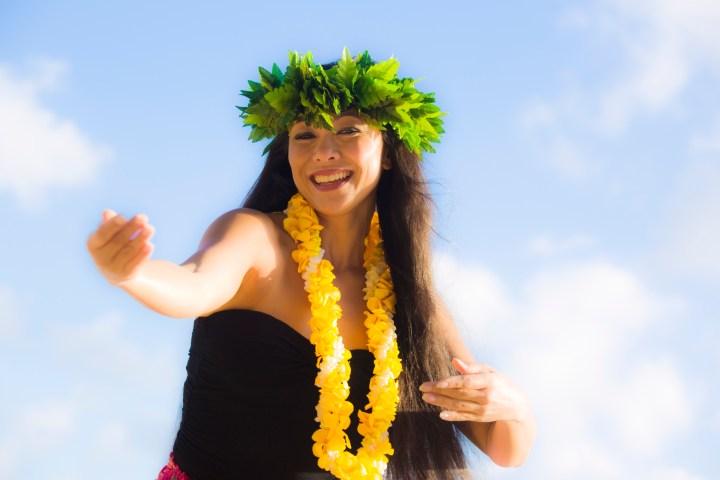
point(333, 409)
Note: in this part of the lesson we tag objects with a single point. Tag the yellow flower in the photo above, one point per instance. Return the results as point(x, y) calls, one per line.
point(333, 410)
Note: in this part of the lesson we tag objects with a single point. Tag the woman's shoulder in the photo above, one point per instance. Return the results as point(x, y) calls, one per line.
point(250, 234)
point(244, 214)
point(239, 251)
point(245, 224)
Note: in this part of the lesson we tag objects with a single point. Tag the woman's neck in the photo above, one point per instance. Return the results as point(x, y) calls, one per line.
point(343, 239)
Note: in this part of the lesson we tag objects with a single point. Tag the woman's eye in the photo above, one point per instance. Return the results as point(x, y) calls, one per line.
point(348, 131)
point(304, 136)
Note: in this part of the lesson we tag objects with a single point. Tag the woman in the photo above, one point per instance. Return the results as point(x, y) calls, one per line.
point(318, 325)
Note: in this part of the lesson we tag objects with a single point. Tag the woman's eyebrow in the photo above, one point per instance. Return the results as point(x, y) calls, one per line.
point(350, 114)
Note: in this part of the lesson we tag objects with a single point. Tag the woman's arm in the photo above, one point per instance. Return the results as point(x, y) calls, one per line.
point(493, 412)
point(121, 250)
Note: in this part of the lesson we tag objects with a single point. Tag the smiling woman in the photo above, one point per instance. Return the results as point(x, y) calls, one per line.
point(319, 344)
point(337, 170)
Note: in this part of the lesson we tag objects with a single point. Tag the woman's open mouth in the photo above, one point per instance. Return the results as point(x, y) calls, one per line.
point(331, 180)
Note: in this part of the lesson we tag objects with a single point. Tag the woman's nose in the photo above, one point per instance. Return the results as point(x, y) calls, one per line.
point(326, 147)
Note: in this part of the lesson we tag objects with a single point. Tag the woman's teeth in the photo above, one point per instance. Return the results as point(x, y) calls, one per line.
point(331, 178)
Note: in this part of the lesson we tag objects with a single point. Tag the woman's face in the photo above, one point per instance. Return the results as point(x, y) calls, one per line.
point(337, 172)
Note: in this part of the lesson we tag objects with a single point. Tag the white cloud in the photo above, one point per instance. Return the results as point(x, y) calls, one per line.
point(568, 158)
point(45, 425)
point(665, 44)
point(661, 74)
point(691, 230)
point(651, 52)
point(546, 245)
point(39, 150)
point(111, 353)
point(708, 141)
point(475, 296)
point(556, 125)
point(674, 474)
point(112, 394)
point(541, 114)
point(32, 432)
point(570, 337)
point(652, 391)
point(113, 438)
point(12, 312)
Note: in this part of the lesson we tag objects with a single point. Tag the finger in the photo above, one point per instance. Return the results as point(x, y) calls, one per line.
point(141, 222)
point(105, 232)
point(128, 246)
point(477, 406)
point(453, 416)
point(149, 231)
point(467, 368)
point(478, 396)
point(460, 381)
point(475, 381)
point(142, 234)
point(462, 410)
point(107, 215)
point(129, 230)
point(114, 234)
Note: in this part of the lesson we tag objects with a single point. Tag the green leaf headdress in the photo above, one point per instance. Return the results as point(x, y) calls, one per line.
point(306, 91)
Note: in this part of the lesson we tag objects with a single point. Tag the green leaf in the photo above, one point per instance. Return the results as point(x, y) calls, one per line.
point(282, 99)
point(385, 71)
point(266, 79)
point(346, 71)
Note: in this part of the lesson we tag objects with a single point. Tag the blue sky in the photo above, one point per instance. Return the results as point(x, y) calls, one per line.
point(578, 190)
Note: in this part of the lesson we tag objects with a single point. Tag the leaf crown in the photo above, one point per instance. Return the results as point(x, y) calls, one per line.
point(310, 92)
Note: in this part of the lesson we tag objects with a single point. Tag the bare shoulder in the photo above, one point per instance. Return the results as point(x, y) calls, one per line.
point(240, 224)
point(247, 238)
point(247, 250)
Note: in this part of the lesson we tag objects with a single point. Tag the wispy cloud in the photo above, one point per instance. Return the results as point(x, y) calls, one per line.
point(557, 130)
point(662, 44)
point(113, 354)
point(691, 229)
point(547, 245)
point(475, 296)
point(653, 50)
point(707, 141)
point(12, 312)
point(32, 433)
point(674, 474)
point(38, 149)
point(105, 392)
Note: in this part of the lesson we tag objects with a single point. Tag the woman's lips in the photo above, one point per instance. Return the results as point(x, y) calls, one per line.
point(330, 180)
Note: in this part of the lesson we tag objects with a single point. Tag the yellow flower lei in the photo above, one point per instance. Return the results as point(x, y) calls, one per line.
point(333, 409)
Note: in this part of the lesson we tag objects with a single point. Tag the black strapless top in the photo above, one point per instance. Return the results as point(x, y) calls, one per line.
point(249, 399)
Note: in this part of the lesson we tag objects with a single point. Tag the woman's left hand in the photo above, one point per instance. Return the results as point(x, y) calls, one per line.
point(479, 394)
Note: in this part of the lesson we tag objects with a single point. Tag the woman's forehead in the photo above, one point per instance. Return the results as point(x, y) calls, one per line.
point(349, 115)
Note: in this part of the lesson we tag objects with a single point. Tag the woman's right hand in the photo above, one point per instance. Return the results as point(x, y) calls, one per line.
point(119, 247)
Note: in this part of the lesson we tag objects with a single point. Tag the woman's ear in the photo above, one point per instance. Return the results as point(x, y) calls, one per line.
point(386, 162)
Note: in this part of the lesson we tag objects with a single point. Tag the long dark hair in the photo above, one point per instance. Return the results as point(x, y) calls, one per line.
point(426, 447)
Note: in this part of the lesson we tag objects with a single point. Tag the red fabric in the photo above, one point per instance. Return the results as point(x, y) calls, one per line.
point(172, 472)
